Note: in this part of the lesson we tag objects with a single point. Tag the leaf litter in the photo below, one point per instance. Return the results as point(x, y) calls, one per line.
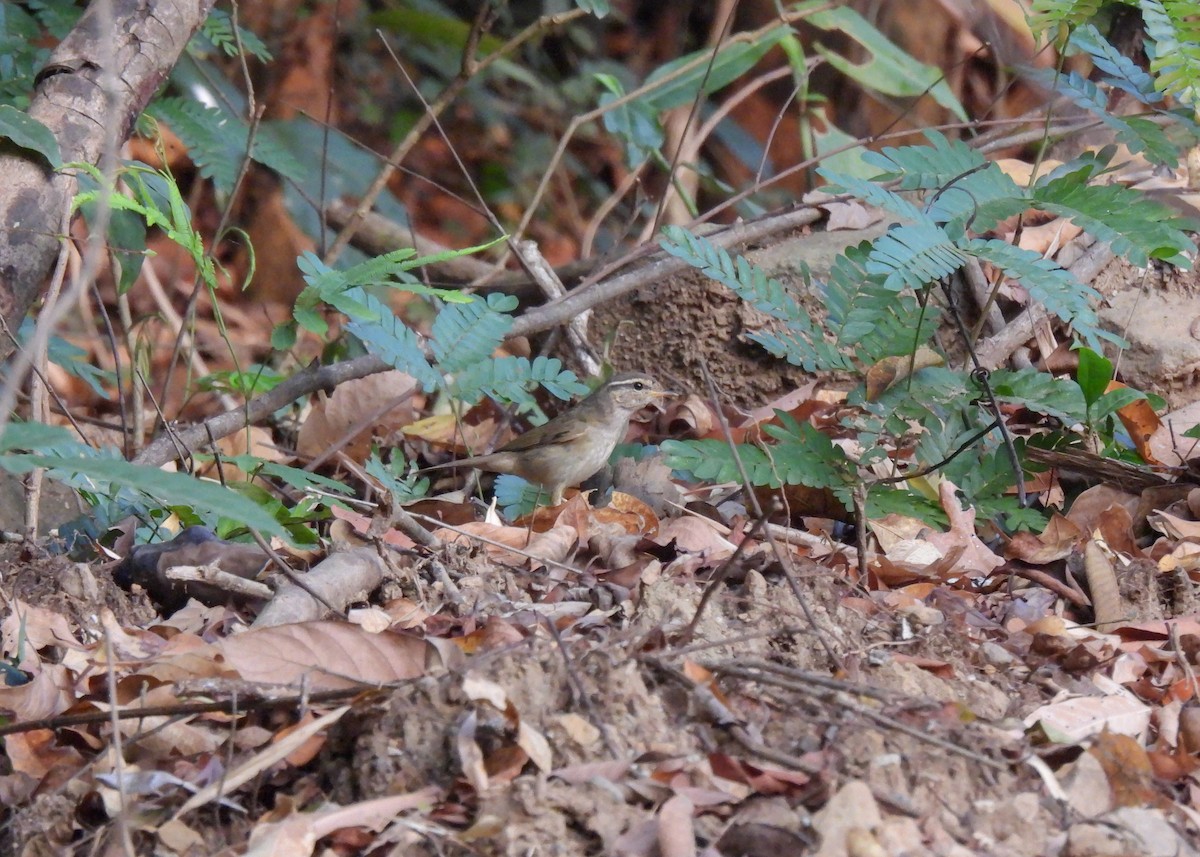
point(617, 679)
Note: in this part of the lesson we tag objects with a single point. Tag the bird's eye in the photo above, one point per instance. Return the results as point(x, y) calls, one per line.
point(638, 385)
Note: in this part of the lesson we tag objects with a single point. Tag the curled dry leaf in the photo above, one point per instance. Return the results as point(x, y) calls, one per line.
point(977, 560)
point(692, 417)
point(676, 835)
point(297, 833)
point(50, 692)
point(1054, 543)
point(629, 513)
point(1140, 421)
point(887, 372)
point(1077, 718)
point(36, 754)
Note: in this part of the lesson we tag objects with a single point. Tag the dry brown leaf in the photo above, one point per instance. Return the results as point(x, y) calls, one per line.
point(37, 754)
point(891, 370)
point(695, 535)
point(1046, 239)
point(51, 691)
point(1080, 717)
point(1054, 543)
point(1021, 171)
point(630, 514)
point(1140, 421)
point(360, 525)
point(977, 559)
point(692, 417)
point(554, 545)
point(332, 417)
point(325, 655)
point(448, 432)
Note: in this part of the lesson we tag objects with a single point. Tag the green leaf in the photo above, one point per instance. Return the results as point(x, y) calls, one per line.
point(432, 28)
point(841, 153)
point(1094, 373)
point(968, 188)
point(301, 480)
point(1175, 57)
point(518, 497)
point(402, 485)
point(25, 132)
point(1045, 14)
point(732, 62)
point(1137, 134)
point(218, 30)
point(1121, 71)
point(1054, 287)
point(804, 456)
point(599, 8)
point(873, 194)
point(889, 70)
point(914, 256)
point(634, 122)
point(1040, 392)
point(171, 489)
point(283, 336)
point(507, 380)
point(1113, 401)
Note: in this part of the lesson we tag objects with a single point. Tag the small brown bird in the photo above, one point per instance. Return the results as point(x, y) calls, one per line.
point(575, 444)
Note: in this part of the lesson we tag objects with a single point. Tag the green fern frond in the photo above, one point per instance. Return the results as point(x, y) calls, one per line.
point(508, 380)
point(217, 142)
point(914, 256)
point(1049, 284)
point(395, 343)
point(1041, 393)
point(926, 167)
point(1119, 70)
point(1174, 26)
point(870, 319)
point(218, 30)
point(466, 334)
point(969, 188)
point(1139, 135)
point(800, 342)
point(800, 455)
point(1135, 226)
point(1047, 14)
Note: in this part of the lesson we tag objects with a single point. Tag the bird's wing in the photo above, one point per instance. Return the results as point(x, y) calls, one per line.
point(553, 432)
